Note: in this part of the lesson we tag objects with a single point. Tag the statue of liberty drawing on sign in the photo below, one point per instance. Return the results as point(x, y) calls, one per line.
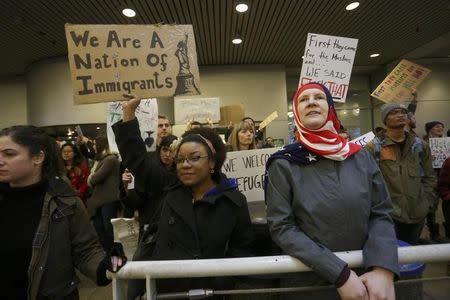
point(185, 79)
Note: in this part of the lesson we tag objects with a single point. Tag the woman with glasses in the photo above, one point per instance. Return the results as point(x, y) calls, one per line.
point(203, 215)
point(77, 170)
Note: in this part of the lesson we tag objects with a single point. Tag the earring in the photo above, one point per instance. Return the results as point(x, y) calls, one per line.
point(211, 170)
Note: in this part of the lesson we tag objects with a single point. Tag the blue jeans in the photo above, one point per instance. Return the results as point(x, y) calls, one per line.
point(102, 223)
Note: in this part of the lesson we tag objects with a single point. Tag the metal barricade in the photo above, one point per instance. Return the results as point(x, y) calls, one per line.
point(151, 270)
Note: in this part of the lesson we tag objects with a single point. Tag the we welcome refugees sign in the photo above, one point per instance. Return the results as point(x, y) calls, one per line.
point(107, 61)
point(248, 168)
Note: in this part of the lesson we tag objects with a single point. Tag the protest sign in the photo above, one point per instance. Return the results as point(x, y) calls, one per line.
point(198, 109)
point(147, 115)
point(398, 84)
point(248, 168)
point(126, 231)
point(107, 61)
point(329, 60)
point(440, 150)
point(268, 120)
point(364, 139)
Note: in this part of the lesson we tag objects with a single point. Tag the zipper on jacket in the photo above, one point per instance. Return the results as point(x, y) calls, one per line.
point(39, 267)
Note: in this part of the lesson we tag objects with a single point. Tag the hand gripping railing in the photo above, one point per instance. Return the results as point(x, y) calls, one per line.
point(151, 270)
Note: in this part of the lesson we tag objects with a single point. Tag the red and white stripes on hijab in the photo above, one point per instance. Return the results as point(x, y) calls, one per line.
point(324, 141)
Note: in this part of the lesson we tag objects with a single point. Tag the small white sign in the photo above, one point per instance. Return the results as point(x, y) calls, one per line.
point(197, 109)
point(364, 139)
point(147, 115)
point(440, 150)
point(126, 231)
point(329, 60)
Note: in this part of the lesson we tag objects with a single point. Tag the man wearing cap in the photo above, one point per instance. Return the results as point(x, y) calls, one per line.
point(405, 162)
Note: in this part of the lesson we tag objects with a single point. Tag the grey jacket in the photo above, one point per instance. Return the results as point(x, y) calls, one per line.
point(328, 206)
point(105, 182)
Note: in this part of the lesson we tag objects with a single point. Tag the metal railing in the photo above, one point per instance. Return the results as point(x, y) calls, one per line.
point(151, 270)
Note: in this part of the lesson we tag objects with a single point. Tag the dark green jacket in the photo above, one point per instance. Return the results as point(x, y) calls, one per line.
point(64, 240)
point(410, 178)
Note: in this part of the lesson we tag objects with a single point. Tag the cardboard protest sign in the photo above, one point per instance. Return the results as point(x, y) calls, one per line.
point(198, 109)
point(268, 120)
point(248, 168)
point(329, 60)
point(107, 61)
point(440, 150)
point(126, 231)
point(398, 84)
point(147, 115)
point(364, 139)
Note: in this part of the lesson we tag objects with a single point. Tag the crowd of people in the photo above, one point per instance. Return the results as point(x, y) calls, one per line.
point(188, 209)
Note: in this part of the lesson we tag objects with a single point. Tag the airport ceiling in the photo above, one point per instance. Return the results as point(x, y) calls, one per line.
point(273, 31)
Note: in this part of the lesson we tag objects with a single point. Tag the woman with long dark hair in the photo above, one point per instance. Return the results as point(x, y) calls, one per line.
point(103, 204)
point(55, 234)
point(77, 170)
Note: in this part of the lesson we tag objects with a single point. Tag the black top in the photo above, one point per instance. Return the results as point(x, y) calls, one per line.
point(20, 210)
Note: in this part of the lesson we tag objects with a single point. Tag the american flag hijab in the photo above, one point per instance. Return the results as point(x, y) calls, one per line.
point(324, 141)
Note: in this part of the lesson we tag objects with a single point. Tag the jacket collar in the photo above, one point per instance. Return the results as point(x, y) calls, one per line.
point(180, 199)
point(409, 140)
point(57, 186)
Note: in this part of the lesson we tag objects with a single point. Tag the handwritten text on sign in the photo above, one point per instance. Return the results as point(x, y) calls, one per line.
point(329, 60)
point(440, 150)
point(107, 61)
point(248, 167)
point(197, 109)
point(398, 84)
point(147, 116)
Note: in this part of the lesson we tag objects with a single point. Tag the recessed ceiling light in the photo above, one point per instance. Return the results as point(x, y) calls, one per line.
point(241, 7)
point(352, 6)
point(128, 12)
point(375, 55)
point(236, 41)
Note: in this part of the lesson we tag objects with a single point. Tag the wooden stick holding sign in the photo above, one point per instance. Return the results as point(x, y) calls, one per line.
point(107, 61)
point(268, 120)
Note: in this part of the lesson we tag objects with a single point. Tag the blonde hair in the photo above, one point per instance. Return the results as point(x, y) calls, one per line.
point(234, 137)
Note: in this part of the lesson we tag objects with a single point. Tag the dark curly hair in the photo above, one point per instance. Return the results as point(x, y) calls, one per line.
point(36, 140)
point(196, 134)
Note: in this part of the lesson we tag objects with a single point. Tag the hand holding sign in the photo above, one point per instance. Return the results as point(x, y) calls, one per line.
point(129, 106)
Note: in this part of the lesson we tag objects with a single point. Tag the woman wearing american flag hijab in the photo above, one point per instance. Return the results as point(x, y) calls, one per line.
point(324, 195)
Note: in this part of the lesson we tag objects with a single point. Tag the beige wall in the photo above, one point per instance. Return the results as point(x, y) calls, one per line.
point(49, 93)
point(434, 97)
point(44, 96)
point(261, 89)
point(13, 97)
